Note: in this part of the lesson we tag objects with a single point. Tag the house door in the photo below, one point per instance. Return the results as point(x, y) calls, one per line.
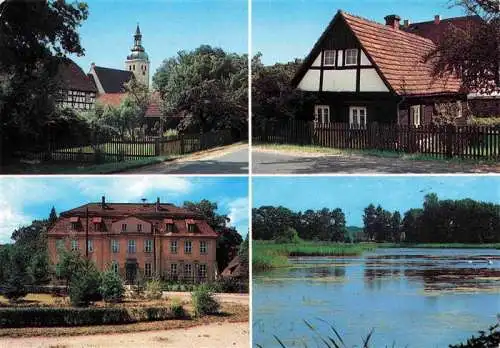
point(131, 271)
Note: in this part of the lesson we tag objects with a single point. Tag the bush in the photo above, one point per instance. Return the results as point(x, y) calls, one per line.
point(204, 302)
point(490, 339)
point(176, 308)
point(84, 286)
point(153, 289)
point(171, 133)
point(111, 288)
point(290, 235)
point(486, 121)
point(230, 285)
point(49, 317)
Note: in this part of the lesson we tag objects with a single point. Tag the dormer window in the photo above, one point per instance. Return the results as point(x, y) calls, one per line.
point(124, 227)
point(329, 57)
point(169, 225)
point(351, 57)
point(97, 221)
point(191, 226)
point(75, 222)
point(139, 227)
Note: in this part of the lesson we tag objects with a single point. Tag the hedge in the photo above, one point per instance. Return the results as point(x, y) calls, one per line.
point(45, 317)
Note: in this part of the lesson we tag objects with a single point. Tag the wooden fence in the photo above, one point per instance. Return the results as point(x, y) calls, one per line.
point(469, 142)
point(109, 149)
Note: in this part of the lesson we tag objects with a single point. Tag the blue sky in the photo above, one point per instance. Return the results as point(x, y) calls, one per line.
point(286, 29)
point(167, 26)
point(24, 199)
point(353, 194)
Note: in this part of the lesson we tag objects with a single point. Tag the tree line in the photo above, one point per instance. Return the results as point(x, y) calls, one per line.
point(438, 221)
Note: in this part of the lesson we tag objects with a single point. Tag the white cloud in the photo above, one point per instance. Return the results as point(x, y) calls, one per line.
point(128, 189)
point(238, 212)
point(10, 219)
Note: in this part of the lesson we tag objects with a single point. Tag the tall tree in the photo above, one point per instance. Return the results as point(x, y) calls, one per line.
point(52, 216)
point(34, 35)
point(207, 87)
point(473, 53)
point(396, 226)
point(369, 220)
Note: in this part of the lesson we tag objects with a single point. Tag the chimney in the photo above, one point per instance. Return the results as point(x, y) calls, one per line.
point(157, 204)
point(392, 21)
point(437, 19)
point(406, 23)
point(103, 202)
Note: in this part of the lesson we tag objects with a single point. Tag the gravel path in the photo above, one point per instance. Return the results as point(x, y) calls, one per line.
point(221, 335)
point(285, 162)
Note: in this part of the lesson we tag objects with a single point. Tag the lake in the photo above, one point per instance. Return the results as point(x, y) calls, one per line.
point(410, 297)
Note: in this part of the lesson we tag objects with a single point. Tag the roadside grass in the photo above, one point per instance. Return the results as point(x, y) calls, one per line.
point(319, 150)
point(82, 168)
point(267, 255)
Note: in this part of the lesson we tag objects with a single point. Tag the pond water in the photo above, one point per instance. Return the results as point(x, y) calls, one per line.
point(410, 297)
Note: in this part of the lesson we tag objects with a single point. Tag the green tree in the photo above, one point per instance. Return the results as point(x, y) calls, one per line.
point(39, 269)
point(34, 35)
point(369, 220)
point(85, 285)
point(473, 53)
point(14, 286)
point(70, 263)
point(52, 216)
point(207, 87)
point(111, 288)
point(396, 226)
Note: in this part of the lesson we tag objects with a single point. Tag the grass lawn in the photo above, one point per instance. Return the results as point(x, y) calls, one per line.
point(268, 254)
point(319, 150)
point(230, 312)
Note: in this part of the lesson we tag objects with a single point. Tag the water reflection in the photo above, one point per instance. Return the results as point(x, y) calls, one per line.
point(419, 298)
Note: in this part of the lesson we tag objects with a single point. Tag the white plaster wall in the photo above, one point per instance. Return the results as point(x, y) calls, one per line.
point(364, 59)
point(310, 81)
point(317, 61)
point(339, 80)
point(370, 81)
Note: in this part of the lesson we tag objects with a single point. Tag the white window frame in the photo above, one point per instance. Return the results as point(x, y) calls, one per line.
point(115, 246)
point(131, 246)
point(173, 247)
point(203, 247)
point(148, 269)
point(202, 270)
point(74, 245)
point(188, 247)
point(188, 266)
point(320, 109)
point(148, 245)
point(114, 267)
point(330, 58)
point(416, 115)
point(90, 245)
point(355, 115)
point(173, 269)
point(348, 55)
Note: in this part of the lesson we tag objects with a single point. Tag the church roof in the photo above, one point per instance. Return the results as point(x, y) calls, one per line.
point(112, 99)
point(112, 80)
point(73, 77)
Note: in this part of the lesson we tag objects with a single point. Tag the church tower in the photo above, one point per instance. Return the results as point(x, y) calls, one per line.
point(137, 61)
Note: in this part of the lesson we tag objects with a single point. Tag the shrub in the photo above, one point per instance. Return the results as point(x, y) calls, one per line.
point(204, 302)
point(153, 289)
point(171, 133)
point(111, 288)
point(290, 235)
point(49, 317)
point(230, 285)
point(176, 308)
point(486, 121)
point(84, 286)
point(490, 339)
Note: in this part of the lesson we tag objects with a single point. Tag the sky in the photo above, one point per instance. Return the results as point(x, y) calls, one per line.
point(167, 26)
point(283, 30)
point(353, 194)
point(25, 199)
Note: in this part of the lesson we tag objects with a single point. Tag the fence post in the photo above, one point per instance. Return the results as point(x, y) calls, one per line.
point(451, 132)
point(157, 147)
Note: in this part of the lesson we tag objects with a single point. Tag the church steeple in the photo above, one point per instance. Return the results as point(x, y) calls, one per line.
point(138, 61)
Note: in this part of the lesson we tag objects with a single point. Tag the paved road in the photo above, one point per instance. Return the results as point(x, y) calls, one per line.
point(231, 160)
point(273, 162)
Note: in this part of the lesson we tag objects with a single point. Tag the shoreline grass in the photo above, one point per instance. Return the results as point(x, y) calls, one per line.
point(268, 255)
point(440, 245)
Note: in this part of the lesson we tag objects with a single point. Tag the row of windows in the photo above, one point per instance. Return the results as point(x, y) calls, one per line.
point(169, 227)
point(83, 106)
point(330, 57)
point(357, 115)
point(187, 270)
point(132, 246)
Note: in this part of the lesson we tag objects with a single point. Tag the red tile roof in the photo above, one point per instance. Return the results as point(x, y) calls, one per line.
point(397, 55)
point(73, 78)
point(154, 106)
point(167, 210)
point(435, 31)
point(400, 57)
point(111, 99)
